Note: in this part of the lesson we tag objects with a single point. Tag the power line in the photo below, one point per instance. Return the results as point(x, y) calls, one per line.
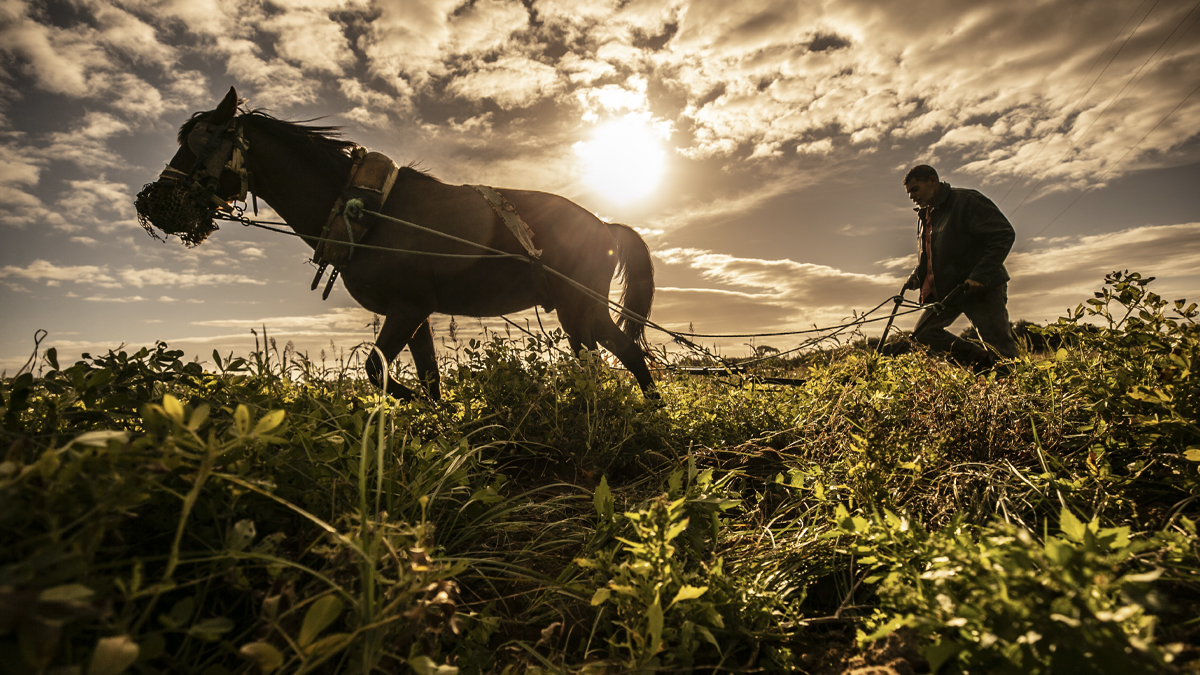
point(1076, 143)
point(1127, 83)
point(1114, 164)
point(1031, 162)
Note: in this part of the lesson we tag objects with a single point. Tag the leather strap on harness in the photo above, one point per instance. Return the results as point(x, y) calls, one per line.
point(523, 233)
point(508, 213)
point(372, 177)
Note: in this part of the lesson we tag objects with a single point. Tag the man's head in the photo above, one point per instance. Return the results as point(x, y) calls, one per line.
point(922, 185)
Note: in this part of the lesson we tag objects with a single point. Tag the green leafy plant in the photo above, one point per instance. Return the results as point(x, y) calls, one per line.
point(994, 599)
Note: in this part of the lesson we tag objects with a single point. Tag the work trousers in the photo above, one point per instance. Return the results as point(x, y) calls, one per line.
point(988, 311)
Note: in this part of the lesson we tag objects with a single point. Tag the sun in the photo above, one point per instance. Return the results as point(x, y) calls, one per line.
point(624, 161)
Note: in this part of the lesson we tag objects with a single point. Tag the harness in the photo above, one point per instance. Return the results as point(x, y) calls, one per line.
point(184, 203)
point(372, 177)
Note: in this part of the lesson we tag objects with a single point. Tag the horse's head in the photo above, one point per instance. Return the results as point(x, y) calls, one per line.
point(205, 174)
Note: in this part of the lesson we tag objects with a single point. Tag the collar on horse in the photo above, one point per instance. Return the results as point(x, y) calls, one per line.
point(371, 179)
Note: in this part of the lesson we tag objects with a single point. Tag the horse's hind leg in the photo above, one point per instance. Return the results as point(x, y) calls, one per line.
point(421, 347)
point(627, 352)
point(398, 330)
point(577, 322)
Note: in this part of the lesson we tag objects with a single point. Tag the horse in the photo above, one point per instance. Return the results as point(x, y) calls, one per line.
point(406, 273)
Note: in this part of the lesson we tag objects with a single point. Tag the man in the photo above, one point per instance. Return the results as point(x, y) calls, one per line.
point(964, 239)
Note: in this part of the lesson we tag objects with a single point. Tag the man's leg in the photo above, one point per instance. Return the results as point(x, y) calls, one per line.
point(933, 334)
point(988, 312)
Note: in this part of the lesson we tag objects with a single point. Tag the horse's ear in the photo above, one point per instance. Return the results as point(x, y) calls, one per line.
point(228, 107)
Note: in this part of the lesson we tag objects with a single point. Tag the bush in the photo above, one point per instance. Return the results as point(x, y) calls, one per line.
point(275, 514)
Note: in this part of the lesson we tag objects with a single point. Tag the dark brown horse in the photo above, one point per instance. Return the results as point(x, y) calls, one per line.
point(301, 170)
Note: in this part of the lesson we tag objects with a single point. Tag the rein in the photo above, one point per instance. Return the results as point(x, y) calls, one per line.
point(679, 337)
point(211, 143)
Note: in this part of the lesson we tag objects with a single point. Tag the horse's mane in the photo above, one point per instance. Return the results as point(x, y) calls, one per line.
point(411, 170)
point(326, 141)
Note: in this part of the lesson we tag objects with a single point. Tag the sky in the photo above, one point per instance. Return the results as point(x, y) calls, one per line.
point(758, 146)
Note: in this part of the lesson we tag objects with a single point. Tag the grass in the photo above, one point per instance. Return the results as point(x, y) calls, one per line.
point(276, 514)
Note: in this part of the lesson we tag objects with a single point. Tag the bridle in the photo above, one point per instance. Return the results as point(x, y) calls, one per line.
point(210, 143)
point(184, 203)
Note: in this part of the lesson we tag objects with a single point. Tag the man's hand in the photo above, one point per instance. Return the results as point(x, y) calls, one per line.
point(912, 284)
point(973, 286)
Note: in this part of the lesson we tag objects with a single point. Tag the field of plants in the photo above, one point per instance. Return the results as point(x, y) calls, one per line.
point(274, 513)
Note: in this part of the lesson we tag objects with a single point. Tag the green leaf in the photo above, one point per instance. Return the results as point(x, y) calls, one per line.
point(1192, 454)
point(603, 499)
point(199, 416)
point(67, 593)
point(211, 629)
point(654, 625)
point(269, 422)
point(600, 596)
point(241, 419)
point(322, 613)
point(262, 654)
point(99, 439)
point(113, 655)
point(180, 614)
point(151, 647)
point(676, 529)
point(1071, 526)
point(1059, 551)
point(242, 534)
point(889, 627)
point(173, 408)
point(941, 652)
point(688, 593)
point(329, 643)
point(424, 665)
point(708, 636)
point(674, 483)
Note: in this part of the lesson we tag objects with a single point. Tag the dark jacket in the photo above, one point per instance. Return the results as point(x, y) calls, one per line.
point(970, 240)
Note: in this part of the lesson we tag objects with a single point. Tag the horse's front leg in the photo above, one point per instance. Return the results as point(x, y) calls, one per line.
point(397, 331)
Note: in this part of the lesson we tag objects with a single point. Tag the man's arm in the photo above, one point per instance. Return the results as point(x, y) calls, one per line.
point(988, 224)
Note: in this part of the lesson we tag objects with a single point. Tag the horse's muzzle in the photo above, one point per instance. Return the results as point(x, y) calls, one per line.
point(176, 208)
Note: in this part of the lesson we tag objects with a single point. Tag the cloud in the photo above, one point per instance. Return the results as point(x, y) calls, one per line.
point(86, 144)
point(98, 298)
point(42, 270)
point(104, 277)
point(156, 276)
point(276, 82)
point(746, 295)
point(1048, 280)
point(62, 61)
point(20, 171)
point(781, 294)
point(105, 206)
point(308, 37)
point(338, 320)
point(511, 82)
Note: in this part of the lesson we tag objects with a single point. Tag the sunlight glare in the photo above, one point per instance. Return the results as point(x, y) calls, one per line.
point(624, 160)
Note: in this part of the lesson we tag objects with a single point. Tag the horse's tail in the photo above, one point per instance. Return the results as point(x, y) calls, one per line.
point(636, 271)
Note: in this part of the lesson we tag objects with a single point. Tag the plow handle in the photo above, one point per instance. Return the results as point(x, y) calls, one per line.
point(888, 327)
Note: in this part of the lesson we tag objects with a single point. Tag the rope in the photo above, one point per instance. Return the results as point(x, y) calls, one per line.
point(238, 215)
